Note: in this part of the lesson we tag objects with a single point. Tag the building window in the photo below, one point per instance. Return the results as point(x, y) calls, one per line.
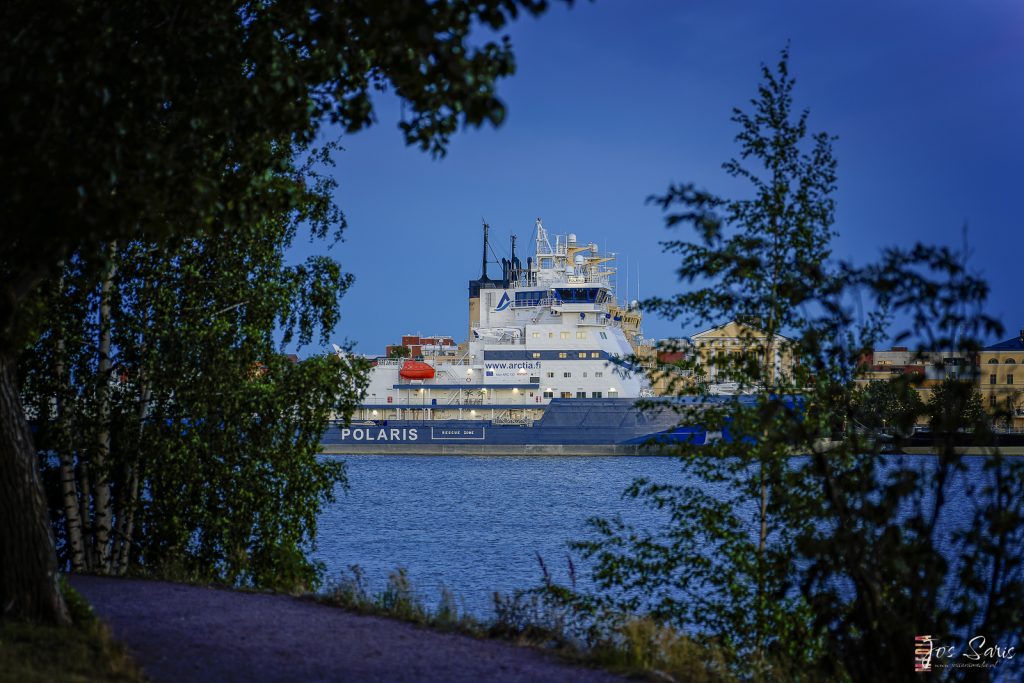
point(536, 354)
point(1009, 379)
point(549, 394)
point(992, 401)
point(595, 354)
point(551, 374)
point(599, 374)
point(566, 374)
point(992, 361)
point(582, 354)
point(566, 394)
point(595, 394)
point(535, 380)
point(581, 335)
point(1010, 361)
point(992, 378)
point(584, 374)
point(581, 394)
point(563, 335)
point(563, 355)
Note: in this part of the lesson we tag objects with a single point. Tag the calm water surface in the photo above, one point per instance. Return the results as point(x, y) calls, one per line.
point(474, 524)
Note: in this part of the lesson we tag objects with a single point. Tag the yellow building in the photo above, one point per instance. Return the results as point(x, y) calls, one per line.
point(1001, 374)
point(735, 338)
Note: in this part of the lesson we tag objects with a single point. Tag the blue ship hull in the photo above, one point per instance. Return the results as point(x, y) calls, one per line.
point(609, 426)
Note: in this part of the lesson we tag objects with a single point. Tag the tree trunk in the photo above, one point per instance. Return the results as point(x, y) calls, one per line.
point(69, 492)
point(72, 521)
point(28, 561)
point(101, 500)
point(127, 519)
point(84, 513)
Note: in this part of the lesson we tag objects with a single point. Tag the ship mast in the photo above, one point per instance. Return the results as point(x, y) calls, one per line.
point(483, 271)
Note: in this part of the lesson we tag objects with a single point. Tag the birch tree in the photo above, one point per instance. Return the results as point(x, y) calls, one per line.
point(793, 541)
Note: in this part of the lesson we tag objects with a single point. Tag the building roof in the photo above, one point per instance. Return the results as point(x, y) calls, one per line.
point(1015, 344)
point(738, 324)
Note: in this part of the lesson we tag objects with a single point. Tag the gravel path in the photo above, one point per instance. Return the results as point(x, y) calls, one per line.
point(179, 634)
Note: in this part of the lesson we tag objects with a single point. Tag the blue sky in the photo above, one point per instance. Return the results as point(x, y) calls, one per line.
point(613, 100)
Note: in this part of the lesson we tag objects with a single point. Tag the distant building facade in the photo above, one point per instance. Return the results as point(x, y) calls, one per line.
point(1001, 374)
point(735, 338)
point(931, 367)
point(420, 347)
point(683, 363)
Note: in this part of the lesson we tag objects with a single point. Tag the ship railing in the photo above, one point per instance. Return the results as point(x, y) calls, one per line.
point(507, 418)
point(547, 301)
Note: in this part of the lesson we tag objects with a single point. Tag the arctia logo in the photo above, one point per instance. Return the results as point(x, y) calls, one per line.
point(503, 302)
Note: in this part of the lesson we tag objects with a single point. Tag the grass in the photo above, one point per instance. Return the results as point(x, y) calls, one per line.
point(634, 646)
point(400, 601)
point(81, 653)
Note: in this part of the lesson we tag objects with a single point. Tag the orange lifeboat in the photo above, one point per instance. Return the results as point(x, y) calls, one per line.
point(414, 369)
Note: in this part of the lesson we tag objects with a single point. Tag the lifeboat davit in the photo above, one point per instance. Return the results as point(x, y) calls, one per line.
point(414, 369)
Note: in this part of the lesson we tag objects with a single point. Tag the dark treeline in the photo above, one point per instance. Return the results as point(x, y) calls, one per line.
point(169, 127)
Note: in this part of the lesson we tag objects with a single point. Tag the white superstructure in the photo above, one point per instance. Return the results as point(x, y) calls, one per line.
point(548, 329)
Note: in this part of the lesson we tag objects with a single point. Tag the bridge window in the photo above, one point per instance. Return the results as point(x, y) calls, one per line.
point(566, 374)
point(549, 394)
point(598, 374)
point(596, 394)
point(581, 394)
point(529, 298)
point(535, 380)
point(576, 295)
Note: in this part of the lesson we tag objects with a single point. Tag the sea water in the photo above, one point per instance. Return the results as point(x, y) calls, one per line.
point(480, 524)
point(475, 525)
